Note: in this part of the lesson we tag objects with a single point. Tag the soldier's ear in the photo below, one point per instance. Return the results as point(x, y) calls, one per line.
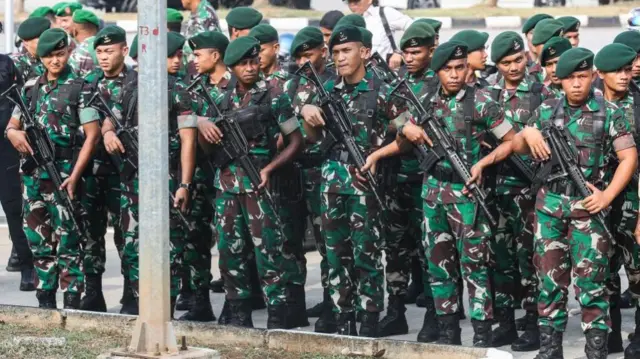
point(125, 50)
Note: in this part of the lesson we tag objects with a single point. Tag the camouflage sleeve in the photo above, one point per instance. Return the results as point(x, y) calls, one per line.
point(287, 119)
point(493, 116)
point(396, 109)
point(86, 113)
point(305, 94)
point(620, 130)
point(182, 104)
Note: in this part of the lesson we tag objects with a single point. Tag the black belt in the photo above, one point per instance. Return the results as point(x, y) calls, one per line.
point(311, 161)
point(63, 153)
point(564, 187)
point(446, 176)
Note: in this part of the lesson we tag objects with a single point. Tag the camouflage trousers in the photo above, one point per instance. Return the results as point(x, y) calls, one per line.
point(562, 246)
point(454, 243)
point(625, 251)
point(102, 200)
point(312, 196)
point(246, 224)
point(54, 241)
point(351, 229)
point(402, 234)
point(511, 251)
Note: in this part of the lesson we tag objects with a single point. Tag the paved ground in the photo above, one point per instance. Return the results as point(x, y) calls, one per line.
point(573, 341)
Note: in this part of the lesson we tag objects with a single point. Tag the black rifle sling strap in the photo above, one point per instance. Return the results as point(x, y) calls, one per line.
point(387, 29)
point(535, 100)
point(598, 135)
point(468, 110)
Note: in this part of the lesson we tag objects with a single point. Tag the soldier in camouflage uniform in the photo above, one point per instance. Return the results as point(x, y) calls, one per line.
point(53, 100)
point(512, 245)
point(26, 61)
point(85, 27)
point(631, 38)
point(527, 30)
point(240, 20)
point(64, 19)
point(245, 218)
point(567, 238)
point(549, 57)
point(477, 57)
point(571, 30)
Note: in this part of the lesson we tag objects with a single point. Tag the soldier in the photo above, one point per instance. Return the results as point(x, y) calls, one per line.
point(614, 63)
point(436, 25)
point(85, 27)
point(270, 69)
point(53, 100)
point(571, 29)
point(632, 39)
point(44, 12)
point(568, 239)
point(245, 217)
point(241, 20)
point(203, 17)
point(512, 245)
point(544, 30)
point(527, 30)
point(174, 20)
point(549, 57)
point(133, 51)
point(64, 14)
point(477, 54)
point(26, 61)
point(109, 82)
point(328, 22)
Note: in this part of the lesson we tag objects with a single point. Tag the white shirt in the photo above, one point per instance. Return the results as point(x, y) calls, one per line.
point(397, 22)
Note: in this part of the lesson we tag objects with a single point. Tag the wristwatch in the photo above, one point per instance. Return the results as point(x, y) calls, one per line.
point(187, 186)
point(6, 131)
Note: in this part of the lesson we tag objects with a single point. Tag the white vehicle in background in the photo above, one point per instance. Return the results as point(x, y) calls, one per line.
point(411, 4)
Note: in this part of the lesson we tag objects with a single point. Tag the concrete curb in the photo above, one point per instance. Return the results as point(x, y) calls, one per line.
point(212, 335)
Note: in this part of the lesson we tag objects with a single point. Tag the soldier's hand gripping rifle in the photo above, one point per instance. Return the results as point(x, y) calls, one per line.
point(563, 155)
point(339, 126)
point(44, 158)
point(443, 147)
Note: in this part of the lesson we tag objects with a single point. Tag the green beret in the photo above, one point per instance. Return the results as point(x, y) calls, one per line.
point(265, 33)
point(630, 38)
point(367, 38)
point(209, 40)
point(42, 11)
point(67, 8)
point(613, 57)
point(33, 27)
point(576, 59)
point(174, 15)
point(505, 44)
point(353, 20)
point(241, 48)
point(435, 24)
point(553, 48)
point(475, 40)
point(343, 34)
point(83, 16)
point(450, 50)
point(51, 40)
point(309, 37)
point(110, 35)
point(175, 42)
point(533, 21)
point(418, 34)
point(133, 51)
point(243, 17)
point(546, 29)
point(571, 24)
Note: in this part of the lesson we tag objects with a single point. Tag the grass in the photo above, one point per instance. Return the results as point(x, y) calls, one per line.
point(90, 344)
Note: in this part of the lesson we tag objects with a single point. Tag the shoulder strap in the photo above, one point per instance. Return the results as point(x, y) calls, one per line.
point(225, 105)
point(293, 89)
point(535, 100)
point(387, 29)
point(495, 94)
point(598, 134)
point(468, 110)
point(636, 112)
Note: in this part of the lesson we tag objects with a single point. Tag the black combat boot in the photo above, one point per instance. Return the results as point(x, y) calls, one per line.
point(225, 314)
point(429, 332)
point(27, 279)
point(626, 300)
point(317, 310)
point(449, 325)
point(421, 301)
point(217, 285)
point(596, 346)
point(482, 334)
point(201, 309)
point(13, 264)
point(614, 342)
point(346, 323)
point(506, 332)
point(186, 298)
point(130, 307)
point(277, 317)
point(71, 300)
point(521, 323)
point(395, 322)
point(461, 299)
point(327, 321)
point(530, 339)
point(257, 297)
point(369, 327)
point(127, 292)
point(633, 350)
point(550, 344)
point(296, 307)
point(416, 287)
point(240, 313)
point(93, 299)
point(46, 299)
point(172, 307)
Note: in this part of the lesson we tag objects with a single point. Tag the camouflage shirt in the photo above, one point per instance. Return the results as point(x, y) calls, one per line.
point(555, 91)
point(182, 113)
point(626, 104)
point(203, 19)
point(28, 66)
point(83, 59)
point(535, 72)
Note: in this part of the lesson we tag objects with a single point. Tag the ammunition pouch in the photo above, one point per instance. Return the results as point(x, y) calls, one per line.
point(387, 173)
point(253, 120)
point(287, 184)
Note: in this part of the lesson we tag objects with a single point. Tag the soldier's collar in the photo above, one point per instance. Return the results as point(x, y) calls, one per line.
point(591, 105)
point(366, 84)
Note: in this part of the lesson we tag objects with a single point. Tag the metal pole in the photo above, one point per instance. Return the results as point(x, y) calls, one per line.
point(154, 332)
point(8, 26)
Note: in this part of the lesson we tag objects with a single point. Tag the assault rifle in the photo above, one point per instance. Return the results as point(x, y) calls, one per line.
point(382, 70)
point(339, 126)
point(521, 168)
point(44, 158)
point(444, 146)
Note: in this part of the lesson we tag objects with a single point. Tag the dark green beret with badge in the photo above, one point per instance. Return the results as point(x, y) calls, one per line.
point(52, 40)
point(506, 44)
point(243, 17)
point(345, 34)
point(531, 22)
point(42, 11)
point(174, 15)
point(67, 9)
point(133, 51)
point(110, 35)
point(553, 48)
point(240, 49)
point(265, 33)
point(33, 27)
point(572, 60)
point(308, 38)
point(435, 24)
point(209, 40)
point(83, 16)
point(451, 50)
point(367, 37)
point(175, 42)
point(353, 20)
point(475, 40)
point(418, 34)
point(571, 24)
point(613, 57)
point(545, 30)
point(630, 38)
point(57, 6)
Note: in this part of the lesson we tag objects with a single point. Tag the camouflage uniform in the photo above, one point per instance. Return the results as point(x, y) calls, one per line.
point(555, 91)
point(566, 238)
point(83, 59)
point(203, 19)
point(55, 242)
point(28, 66)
